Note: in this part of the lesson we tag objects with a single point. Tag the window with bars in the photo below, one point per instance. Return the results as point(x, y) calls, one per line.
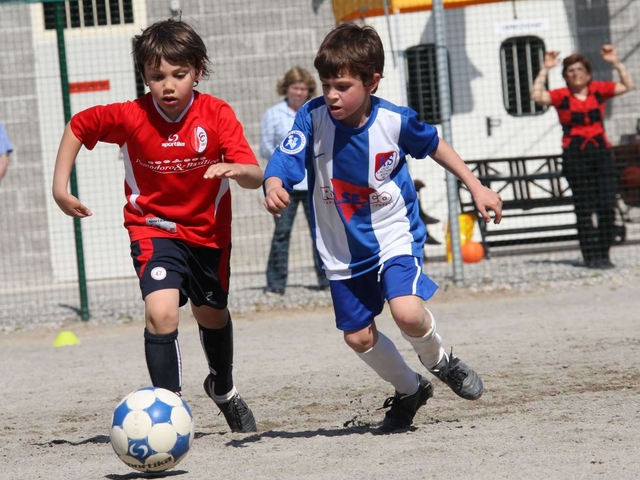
point(90, 13)
point(422, 82)
point(520, 61)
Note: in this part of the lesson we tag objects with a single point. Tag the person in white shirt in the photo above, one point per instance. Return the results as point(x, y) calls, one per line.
point(297, 86)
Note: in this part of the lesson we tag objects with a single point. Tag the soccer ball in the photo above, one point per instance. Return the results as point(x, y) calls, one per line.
point(152, 429)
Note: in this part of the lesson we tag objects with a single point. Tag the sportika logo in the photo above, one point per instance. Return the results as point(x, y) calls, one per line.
point(173, 141)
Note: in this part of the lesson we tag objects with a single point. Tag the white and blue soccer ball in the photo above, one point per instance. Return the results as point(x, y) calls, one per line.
point(152, 429)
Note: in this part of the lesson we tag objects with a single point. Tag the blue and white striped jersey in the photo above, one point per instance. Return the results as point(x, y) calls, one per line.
point(364, 207)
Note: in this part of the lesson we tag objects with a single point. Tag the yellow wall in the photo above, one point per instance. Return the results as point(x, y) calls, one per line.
point(345, 10)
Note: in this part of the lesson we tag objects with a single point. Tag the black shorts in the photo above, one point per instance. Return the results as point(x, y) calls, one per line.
point(201, 274)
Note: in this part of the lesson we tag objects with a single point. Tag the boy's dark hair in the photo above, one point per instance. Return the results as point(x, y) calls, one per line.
point(351, 49)
point(576, 58)
point(172, 40)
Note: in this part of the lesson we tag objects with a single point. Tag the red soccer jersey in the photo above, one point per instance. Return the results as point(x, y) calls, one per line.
point(582, 118)
point(165, 161)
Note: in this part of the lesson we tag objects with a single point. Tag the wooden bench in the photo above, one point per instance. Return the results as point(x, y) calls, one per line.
point(532, 189)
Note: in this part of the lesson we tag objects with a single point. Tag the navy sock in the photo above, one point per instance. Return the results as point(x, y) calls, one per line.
point(163, 360)
point(218, 348)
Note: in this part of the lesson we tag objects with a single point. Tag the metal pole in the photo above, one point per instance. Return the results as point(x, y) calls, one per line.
point(444, 97)
point(386, 16)
point(66, 102)
point(403, 82)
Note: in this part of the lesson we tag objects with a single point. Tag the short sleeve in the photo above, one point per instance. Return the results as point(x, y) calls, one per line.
point(557, 96)
point(418, 139)
point(606, 88)
point(102, 123)
point(233, 144)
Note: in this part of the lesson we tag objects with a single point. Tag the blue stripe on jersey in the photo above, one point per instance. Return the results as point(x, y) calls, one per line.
point(417, 227)
point(351, 197)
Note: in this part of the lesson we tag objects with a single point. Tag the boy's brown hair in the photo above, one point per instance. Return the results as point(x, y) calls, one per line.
point(351, 49)
point(174, 41)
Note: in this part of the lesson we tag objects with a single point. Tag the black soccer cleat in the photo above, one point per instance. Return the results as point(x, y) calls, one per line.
point(235, 411)
point(459, 376)
point(404, 407)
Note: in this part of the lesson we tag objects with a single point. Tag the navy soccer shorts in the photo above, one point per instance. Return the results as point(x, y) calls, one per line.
point(201, 274)
point(358, 300)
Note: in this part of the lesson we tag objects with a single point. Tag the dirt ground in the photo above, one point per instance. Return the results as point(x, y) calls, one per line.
point(561, 371)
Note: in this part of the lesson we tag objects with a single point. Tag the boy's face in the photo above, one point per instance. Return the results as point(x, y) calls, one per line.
point(348, 99)
point(171, 86)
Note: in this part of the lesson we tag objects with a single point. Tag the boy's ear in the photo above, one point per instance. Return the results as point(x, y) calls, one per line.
point(372, 86)
point(199, 71)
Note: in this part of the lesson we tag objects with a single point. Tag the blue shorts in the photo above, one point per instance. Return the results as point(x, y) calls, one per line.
point(357, 301)
point(201, 274)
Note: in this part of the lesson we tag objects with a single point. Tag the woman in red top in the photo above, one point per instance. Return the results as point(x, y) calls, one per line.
point(587, 162)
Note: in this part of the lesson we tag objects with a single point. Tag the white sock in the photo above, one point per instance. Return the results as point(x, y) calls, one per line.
point(429, 346)
point(385, 359)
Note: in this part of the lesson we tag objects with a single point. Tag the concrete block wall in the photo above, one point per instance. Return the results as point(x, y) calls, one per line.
point(23, 222)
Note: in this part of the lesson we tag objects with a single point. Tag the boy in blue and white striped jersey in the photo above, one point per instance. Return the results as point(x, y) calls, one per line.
point(365, 214)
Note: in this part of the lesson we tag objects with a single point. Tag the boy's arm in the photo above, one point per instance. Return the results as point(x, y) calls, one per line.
point(276, 196)
point(484, 198)
point(67, 153)
point(247, 175)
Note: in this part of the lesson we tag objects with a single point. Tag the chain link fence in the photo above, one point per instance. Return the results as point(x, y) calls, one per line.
point(494, 51)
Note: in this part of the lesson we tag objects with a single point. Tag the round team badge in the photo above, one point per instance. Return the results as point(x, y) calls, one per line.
point(293, 143)
point(158, 273)
point(199, 139)
point(385, 164)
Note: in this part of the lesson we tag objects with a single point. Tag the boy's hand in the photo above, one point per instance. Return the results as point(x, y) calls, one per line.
point(71, 205)
point(275, 200)
point(247, 175)
point(487, 199)
point(226, 170)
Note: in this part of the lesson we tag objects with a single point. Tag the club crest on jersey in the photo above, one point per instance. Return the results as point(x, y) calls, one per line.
point(173, 141)
point(199, 139)
point(385, 163)
point(293, 143)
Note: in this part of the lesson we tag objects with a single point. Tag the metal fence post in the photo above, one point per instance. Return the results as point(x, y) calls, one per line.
point(77, 228)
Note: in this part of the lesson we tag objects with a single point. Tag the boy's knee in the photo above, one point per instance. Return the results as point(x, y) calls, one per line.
point(361, 340)
point(412, 318)
point(161, 322)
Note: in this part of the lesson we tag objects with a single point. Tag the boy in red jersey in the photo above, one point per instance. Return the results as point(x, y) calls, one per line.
point(178, 218)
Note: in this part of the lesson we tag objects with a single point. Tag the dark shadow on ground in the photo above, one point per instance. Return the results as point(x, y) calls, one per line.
point(130, 476)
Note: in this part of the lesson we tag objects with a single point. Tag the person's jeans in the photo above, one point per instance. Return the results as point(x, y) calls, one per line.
point(278, 264)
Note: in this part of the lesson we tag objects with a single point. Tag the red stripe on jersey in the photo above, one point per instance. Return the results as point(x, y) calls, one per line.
point(146, 252)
